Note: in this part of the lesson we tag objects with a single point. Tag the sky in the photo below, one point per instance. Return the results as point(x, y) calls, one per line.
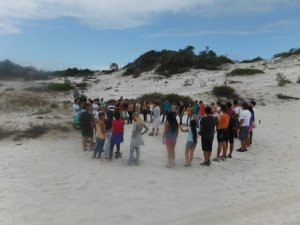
point(58, 34)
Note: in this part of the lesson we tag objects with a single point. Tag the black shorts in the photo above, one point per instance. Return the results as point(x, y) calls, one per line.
point(231, 135)
point(207, 144)
point(87, 132)
point(222, 135)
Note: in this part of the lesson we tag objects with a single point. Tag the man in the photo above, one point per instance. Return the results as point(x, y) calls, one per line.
point(201, 111)
point(196, 109)
point(166, 109)
point(222, 134)
point(232, 128)
point(207, 131)
point(87, 126)
point(245, 117)
point(156, 116)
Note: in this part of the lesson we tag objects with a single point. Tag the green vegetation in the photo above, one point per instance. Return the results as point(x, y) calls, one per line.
point(73, 72)
point(293, 51)
point(66, 86)
point(282, 96)
point(224, 91)
point(282, 80)
point(160, 98)
point(245, 72)
point(169, 62)
point(257, 59)
point(298, 80)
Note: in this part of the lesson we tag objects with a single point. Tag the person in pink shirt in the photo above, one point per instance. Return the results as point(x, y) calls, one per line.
point(117, 135)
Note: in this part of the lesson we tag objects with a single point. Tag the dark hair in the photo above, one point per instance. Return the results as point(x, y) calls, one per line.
point(193, 125)
point(245, 105)
point(224, 108)
point(235, 101)
point(229, 105)
point(172, 121)
point(117, 115)
point(253, 102)
point(110, 114)
point(101, 114)
point(208, 110)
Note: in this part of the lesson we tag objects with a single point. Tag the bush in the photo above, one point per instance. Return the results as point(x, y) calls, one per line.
point(298, 81)
point(82, 85)
point(257, 59)
point(66, 86)
point(293, 51)
point(224, 91)
point(34, 131)
point(282, 96)
point(282, 80)
point(4, 133)
point(245, 72)
point(160, 98)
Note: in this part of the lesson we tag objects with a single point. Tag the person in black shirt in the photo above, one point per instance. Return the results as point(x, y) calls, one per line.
point(207, 132)
point(87, 126)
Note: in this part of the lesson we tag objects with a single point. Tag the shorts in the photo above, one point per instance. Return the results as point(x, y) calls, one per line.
point(243, 132)
point(87, 132)
point(190, 145)
point(222, 135)
point(231, 136)
point(156, 123)
point(207, 144)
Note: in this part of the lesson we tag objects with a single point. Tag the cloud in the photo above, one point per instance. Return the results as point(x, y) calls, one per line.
point(122, 14)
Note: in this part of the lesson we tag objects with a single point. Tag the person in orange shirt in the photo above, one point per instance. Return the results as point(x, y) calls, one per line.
point(222, 134)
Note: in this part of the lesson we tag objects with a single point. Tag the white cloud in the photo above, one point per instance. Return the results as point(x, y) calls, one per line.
point(121, 14)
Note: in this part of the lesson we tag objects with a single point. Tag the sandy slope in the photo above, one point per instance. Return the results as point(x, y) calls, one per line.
point(51, 181)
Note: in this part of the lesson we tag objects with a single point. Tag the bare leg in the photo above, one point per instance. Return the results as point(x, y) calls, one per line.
point(191, 155)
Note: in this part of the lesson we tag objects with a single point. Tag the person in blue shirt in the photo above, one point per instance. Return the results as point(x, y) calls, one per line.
point(196, 109)
point(166, 109)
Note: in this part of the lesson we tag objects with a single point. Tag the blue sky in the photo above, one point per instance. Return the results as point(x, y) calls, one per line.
point(57, 34)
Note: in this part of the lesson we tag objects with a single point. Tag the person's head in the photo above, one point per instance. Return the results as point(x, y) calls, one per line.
point(117, 115)
point(101, 115)
point(252, 103)
point(102, 99)
point(229, 105)
point(77, 100)
point(212, 104)
point(235, 102)
point(156, 103)
point(208, 111)
point(224, 108)
point(196, 101)
point(219, 104)
point(172, 121)
point(245, 105)
point(136, 118)
point(200, 102)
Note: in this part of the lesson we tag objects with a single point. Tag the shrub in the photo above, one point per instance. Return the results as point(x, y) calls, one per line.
point(82, 85)
point(282, 80)
point(298, 81)
point(257, 59)
point(4, 133)
point(66, 86)
point(34, 131)
point(282, 96)
point(245, 72)
point(224, 91)
point(159, 97)
point(293, 51)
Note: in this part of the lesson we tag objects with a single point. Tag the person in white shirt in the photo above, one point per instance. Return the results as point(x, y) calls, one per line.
point(156, 119)
point(76, 110)
point(236, 107)
point(245, 116)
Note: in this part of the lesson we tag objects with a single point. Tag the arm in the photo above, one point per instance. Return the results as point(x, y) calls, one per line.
point(165, 132)
point(146, 129)
point(102, 127)
point(184, 130)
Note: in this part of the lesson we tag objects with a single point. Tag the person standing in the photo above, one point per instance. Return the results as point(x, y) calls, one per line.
point(130, 112)
point(136, 139)
point(195, 110)
point(189, 114)
point(170, 137)
point(156, 117)
point(192, 140)
point(108, 129)
point(87, 126)
point(117, 135)
point(145, 110)
point(207, 132)
point(100, 135)
point(181, 110)
point(245, 117)
point(166, 109)
point(232, 128)
point(222, 135)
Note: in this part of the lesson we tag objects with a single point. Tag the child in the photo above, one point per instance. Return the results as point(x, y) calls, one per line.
point(191, 142)
point(136, 139)
point(117, 135)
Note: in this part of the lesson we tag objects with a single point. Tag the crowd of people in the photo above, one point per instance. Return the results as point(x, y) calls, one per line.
point(102, 127)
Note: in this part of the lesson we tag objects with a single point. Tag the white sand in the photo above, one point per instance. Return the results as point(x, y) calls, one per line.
point(52, 181)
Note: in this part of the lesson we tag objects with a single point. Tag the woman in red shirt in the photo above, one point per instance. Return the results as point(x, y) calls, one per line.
point(117, 135)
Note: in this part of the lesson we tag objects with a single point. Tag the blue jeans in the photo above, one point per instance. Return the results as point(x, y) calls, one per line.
point(137, 154)
point(107, 144)
point(99, 147)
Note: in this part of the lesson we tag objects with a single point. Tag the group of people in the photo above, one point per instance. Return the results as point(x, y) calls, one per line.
point(105, 124)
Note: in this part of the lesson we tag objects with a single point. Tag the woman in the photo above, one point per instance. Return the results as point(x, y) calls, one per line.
point(100, 135)
point(136, 139)
point(170, 137)
point(145, 110)
point(191, 142)
point(117, 135)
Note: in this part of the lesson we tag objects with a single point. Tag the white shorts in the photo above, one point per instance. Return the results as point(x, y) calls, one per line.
point(156, 123)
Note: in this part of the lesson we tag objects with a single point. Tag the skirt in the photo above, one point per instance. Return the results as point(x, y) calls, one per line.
point(117, 139)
